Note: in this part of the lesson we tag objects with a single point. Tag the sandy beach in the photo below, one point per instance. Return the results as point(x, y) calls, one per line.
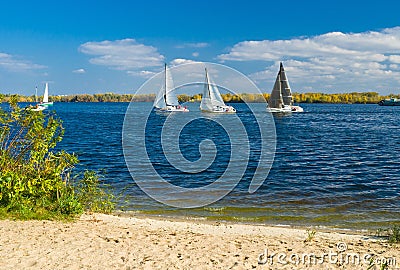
point(98, 241)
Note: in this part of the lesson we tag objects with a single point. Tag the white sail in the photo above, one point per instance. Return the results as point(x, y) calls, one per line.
point(170, 96)
point(216, 97)
point(206, 103)
point(211, 95)
point(160, 101)
point(166, 96)
point(46, 93)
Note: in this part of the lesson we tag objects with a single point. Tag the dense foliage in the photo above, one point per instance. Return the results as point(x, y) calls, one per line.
point(348, 98)
point(35, 181)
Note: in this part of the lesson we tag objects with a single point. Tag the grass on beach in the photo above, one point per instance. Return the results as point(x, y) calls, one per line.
point(392, 234)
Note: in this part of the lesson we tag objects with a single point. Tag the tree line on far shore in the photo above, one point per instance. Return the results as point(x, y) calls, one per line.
point(346, 98)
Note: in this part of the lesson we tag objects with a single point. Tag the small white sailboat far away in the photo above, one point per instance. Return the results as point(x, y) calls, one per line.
point(166, 99)
point(46, 97)
point(212, 100)
point(37, 107)
point(281, 100)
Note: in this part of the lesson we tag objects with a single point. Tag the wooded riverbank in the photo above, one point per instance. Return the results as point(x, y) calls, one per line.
point(344, 98)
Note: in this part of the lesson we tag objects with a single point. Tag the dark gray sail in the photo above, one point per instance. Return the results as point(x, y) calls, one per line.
point(285, 87)
point(275, 100)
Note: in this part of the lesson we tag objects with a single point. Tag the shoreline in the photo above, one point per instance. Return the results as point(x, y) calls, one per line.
point(98, 241)
point(261, 97)
point(198, 101)
point(364, 227)
point(206, 220)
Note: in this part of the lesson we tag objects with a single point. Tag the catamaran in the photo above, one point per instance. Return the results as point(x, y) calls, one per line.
point(281, 100)
point(212, 100)
point(166, 100)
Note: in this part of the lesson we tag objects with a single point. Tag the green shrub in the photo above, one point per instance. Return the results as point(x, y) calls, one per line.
point(35, 181)
point(93, 194)
point(392, 234)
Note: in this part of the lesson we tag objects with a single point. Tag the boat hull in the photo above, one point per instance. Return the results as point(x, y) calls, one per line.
point(173, 109)
point(276, 110)
point(389, 102)
point(286, 109)
point(221, 109)
point(45, 104)
point(297, 109)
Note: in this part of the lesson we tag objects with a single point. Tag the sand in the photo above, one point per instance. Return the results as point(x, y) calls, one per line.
point(98, 241)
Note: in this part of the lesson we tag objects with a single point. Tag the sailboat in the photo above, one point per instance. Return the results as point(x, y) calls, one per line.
point(38, 107)
point(212, 100)
point(166, 99)
point(281, 100)
point(46, 97)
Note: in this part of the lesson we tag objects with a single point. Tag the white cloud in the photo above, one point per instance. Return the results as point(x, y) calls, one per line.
point(79, 71)
point(12, 63)
point(361, 46)
point(181, 61)
point(340, 61)
point(193, 45)
point(394, 58)
point(125, 54)
point(143, 73)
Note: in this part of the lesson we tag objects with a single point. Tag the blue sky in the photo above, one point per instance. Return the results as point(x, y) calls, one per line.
point(102, 46)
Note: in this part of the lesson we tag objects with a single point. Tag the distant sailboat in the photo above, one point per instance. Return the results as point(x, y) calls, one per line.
point(166, 100)
point(46, 96)
point(212, 100)
point(37, 107)
point(281, 99)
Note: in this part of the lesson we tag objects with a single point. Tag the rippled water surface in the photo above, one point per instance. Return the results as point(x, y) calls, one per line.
point(335, 165)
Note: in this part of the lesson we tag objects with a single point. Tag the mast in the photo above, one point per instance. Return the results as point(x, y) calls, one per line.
point(165, 96)
point(36, 94)
point(208, 83)
point(165, 84)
